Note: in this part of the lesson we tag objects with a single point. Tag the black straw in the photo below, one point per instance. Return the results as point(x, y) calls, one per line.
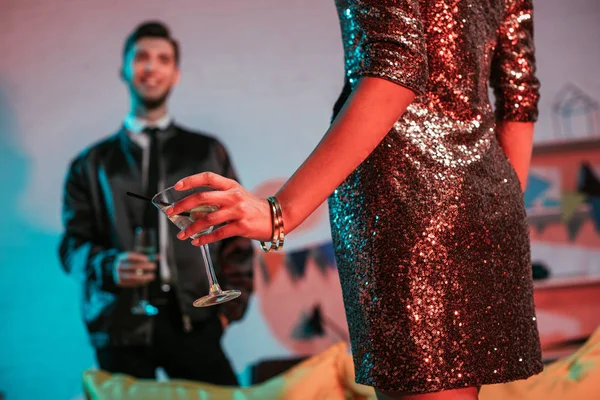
point(139, 196)
point(162, 203)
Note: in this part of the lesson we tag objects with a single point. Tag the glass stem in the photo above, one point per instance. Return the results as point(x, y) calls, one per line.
point(210, 271)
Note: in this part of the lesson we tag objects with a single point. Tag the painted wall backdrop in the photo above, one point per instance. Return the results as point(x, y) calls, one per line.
point(263, 76)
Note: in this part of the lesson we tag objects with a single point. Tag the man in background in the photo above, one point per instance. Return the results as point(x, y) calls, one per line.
point(138, 306)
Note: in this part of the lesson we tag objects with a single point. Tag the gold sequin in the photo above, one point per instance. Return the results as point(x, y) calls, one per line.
point(430, 232)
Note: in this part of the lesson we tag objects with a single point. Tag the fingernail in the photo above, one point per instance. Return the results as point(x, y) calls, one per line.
point(196, 242)
point(179, 185)
point(181, 235)
point(169, 210)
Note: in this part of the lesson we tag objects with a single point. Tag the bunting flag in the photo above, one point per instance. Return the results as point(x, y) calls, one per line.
point(574, 226)
point(324, 256)
point(535, 189)
point(309, 326)
point(315, 324)
point(296, 263)
point(595, 211)
point(270, 264)
point(570, 202)
point(589, 185)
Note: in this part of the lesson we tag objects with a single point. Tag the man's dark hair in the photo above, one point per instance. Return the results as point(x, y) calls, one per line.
point(150, 29)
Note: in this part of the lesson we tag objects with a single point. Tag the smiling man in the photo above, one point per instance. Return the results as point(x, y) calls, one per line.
point(137, 304)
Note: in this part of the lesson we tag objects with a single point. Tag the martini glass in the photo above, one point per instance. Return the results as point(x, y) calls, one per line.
point(145, 243)
point(168, 198)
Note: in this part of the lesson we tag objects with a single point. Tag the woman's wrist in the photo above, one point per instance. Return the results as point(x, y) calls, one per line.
point(278, 227)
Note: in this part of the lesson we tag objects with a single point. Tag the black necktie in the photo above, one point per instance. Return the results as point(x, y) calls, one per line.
point(156, 296)
point(151, 213)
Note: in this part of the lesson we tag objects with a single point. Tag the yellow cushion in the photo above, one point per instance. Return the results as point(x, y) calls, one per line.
point(315, 378)
point(330, 376)
point(574, 377)
point(354, 391)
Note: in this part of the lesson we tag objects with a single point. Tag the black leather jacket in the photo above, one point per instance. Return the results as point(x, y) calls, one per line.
point(99, 220)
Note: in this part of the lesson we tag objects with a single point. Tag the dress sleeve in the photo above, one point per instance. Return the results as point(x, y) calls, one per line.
point(384, 38)
point(513, 70)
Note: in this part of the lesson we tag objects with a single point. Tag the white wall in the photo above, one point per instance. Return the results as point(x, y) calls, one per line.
point(262, 75)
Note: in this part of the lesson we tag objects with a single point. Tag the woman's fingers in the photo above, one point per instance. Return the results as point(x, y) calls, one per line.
point(211, 198)
point(208, 220)
point(224, 232)
point(209, 179)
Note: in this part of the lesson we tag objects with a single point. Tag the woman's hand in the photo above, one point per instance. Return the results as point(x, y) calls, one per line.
point(246, 215)
point(516, 139)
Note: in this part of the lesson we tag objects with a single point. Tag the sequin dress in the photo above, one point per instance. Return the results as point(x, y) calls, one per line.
point(430, 232)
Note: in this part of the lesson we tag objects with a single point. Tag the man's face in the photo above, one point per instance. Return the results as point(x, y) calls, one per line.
point(150, 71)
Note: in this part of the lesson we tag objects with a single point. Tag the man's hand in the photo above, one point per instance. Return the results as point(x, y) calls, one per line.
point(133, 269)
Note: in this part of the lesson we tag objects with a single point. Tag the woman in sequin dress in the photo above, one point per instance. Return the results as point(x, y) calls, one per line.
point(427, 213)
